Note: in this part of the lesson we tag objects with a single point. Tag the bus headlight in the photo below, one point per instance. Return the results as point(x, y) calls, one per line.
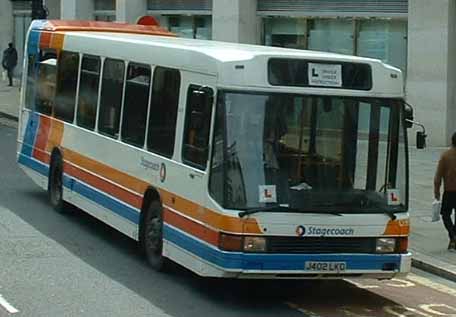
point(385, 245)
point(254, 244)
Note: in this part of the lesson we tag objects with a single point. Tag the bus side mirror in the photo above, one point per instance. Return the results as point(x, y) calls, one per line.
point(420, 140)
point(408, 116)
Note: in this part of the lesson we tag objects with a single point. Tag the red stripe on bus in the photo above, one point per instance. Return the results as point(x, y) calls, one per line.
point(103, 185)
point(45, 39)
point(188, 226)
point(39, 150)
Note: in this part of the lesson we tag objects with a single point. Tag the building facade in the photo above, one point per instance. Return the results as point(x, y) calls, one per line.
point(417, 36)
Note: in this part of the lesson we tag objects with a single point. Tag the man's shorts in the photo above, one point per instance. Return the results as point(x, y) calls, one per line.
point(448, 203)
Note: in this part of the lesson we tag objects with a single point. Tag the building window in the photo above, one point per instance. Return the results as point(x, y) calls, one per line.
point(384, 39)
point(111, 97)
point(68, 67)
point(194, 27)
point(105, 10)
point(105, 16)
point(136, 101)
point(285, 32)
point(163, 111)
point(105, 4)
point(331, 35)
point(88, 92)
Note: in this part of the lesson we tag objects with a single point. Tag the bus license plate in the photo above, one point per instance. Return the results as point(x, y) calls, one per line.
point(325, 266)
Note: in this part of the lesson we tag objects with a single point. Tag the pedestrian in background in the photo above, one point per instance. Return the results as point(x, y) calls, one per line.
point(9, 61)
point(446, 170)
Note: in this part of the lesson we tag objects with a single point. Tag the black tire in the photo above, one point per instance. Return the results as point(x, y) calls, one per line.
point(152, 237)
point(55, 185)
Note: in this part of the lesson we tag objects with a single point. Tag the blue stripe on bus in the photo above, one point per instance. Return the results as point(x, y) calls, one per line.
point(117, 207)
point(30, 134)
point(275, 262)
point(35, 165)
point(33, 42)
point(102, 199)
point(227, 260)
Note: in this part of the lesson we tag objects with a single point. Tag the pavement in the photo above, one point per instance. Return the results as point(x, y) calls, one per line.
point(9, 100)
point(428, 240)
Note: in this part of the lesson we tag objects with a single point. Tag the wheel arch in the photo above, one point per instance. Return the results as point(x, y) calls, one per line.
point(56, 154)
point(151, 194)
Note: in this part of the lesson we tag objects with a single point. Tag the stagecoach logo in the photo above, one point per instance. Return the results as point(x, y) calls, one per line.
point(149, 164)
point(322, 231)
point(162, 172)
point(300, 231)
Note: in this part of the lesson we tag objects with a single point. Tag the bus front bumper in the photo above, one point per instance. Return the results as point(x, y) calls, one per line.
point(207, 260)
point(297, 266)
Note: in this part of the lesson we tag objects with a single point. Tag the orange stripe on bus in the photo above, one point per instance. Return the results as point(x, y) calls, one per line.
point(106, 171)
point(57, 41)
point(214, 219)
point(55, 136)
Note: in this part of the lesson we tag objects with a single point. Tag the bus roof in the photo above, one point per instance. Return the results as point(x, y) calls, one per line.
point(98, 26)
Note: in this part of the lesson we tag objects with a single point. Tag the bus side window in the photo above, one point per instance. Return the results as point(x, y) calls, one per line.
point(88, 92)
point(137, 90)
point(163, 111)
point(46, 83)
point(67, 80)
point(197, 126)
point(111, 97)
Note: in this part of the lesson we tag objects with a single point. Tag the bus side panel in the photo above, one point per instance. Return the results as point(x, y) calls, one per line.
point(39, 169)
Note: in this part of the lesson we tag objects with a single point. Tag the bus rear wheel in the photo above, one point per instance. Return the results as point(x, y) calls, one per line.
point(55, 186)
point(152, 237)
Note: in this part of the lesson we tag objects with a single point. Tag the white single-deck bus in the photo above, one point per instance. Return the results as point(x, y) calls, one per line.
point(231, 160)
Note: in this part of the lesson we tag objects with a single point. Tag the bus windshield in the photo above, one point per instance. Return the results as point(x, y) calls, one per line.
point(309, 153)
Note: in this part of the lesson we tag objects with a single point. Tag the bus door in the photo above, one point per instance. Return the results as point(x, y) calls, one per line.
point(195, 145)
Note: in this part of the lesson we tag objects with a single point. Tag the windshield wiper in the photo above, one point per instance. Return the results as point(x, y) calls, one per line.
point(390, 213)
point(282, 209)
point(276, 208)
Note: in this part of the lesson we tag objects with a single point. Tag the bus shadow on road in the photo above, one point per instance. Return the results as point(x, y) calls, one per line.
point(336, 298)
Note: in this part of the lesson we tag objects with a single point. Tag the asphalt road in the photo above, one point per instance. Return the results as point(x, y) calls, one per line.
point(73, 265)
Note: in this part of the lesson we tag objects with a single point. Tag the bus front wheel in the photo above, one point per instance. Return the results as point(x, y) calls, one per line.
point(55, 186)
point(152, 239)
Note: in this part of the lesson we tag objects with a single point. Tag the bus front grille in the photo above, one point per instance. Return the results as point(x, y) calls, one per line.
point(320, 245)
